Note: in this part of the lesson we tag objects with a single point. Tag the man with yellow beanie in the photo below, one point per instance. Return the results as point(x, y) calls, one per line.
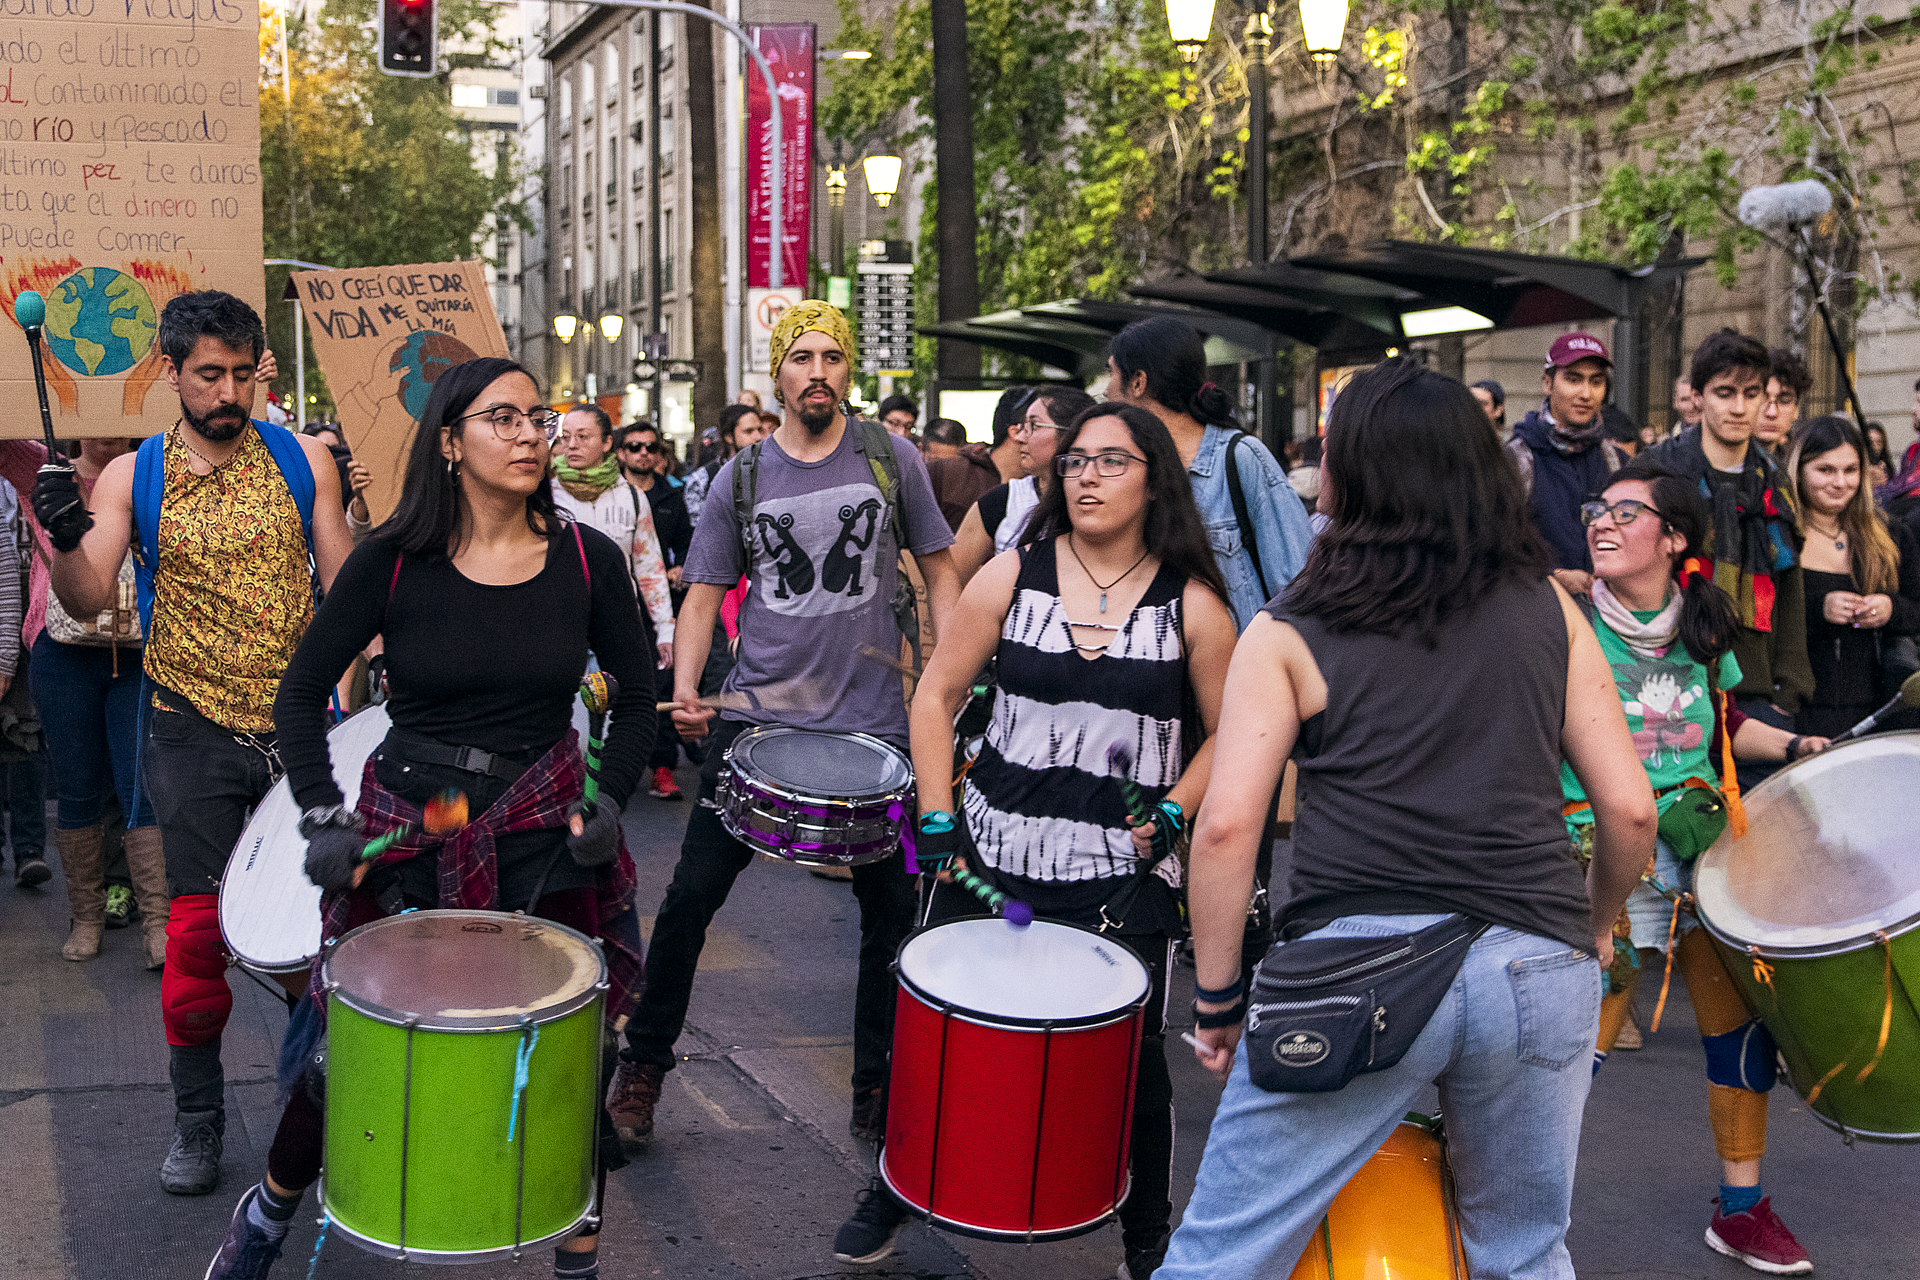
point(815, 517)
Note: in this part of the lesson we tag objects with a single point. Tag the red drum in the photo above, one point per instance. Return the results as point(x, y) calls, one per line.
point(1011, 1102)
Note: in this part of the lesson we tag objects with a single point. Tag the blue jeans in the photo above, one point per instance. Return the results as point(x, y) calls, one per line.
point(1511, 1049)
point(91, 717)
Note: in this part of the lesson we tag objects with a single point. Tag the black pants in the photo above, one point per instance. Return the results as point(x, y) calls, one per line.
point(1145, 1217)
point(710, 861)
point(203, 780)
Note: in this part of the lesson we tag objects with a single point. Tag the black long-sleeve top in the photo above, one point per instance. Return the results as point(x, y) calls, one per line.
point(1846, 659)
point(472, 665)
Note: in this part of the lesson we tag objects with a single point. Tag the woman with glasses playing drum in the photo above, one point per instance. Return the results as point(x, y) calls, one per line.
point(1667, 632)
point(1111, 633)
point(489, 602)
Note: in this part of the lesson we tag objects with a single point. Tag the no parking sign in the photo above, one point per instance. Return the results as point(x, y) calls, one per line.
point(764, 309)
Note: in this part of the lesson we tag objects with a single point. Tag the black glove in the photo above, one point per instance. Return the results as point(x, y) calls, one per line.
point(599, 843)
point(1168, 820)
point(936, 849)
point(57, 505)
point(335, 841)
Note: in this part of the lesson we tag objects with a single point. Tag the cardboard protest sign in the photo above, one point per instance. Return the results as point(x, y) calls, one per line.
point(129, 173)
point(382, 336)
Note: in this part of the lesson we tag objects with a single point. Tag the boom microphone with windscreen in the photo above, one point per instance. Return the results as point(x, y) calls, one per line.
point(1791, 204)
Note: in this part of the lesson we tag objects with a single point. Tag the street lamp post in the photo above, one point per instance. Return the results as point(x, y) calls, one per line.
point(1323, 22)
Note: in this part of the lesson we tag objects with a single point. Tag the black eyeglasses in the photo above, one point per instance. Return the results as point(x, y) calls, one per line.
point(1624, 512)
point(506, 421)
point(1109, 464)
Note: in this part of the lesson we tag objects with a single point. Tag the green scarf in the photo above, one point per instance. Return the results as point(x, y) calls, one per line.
point(592, 482)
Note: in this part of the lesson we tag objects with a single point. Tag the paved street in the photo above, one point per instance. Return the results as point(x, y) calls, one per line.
point(751, 1169)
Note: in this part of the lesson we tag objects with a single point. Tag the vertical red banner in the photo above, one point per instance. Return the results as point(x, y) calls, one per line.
point(789, 50)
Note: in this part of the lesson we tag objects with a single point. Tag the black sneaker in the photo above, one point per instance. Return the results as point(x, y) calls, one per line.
point(1141, 1263)
point(31, 873)
point(868, 1235)
point(192, 1166)
point(247, 1252)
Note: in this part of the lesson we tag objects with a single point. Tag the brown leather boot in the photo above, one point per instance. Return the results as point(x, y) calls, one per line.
point(85, 868)
point(147, 867)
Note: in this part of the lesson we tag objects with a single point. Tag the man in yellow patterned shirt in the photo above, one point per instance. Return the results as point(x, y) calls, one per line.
point(234, 525)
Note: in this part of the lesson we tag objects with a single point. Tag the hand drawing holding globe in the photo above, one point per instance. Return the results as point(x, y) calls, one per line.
point(100, 322)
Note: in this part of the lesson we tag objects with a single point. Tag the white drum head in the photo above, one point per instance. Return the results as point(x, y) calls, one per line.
point(849, 766)
point(1046, 972)
point(269, 910)
point(1829, 856)
point(464, 970)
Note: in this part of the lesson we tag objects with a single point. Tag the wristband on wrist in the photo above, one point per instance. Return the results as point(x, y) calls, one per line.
point(1175, 816)
point(1793, 746)
point(1225, 1018)
point(936, 822)
point(1220, 995)
point(332, 815)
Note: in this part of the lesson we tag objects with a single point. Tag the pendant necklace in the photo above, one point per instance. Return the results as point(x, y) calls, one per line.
point(213, 468)
point(1108, 586)
point(1839, 541)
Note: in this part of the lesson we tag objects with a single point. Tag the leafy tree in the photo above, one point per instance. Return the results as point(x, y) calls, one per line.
point(1100, 157)
point(365, 168)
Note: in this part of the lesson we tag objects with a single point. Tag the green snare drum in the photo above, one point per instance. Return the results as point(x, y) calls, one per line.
point(463, 1084)
point(1817, 912)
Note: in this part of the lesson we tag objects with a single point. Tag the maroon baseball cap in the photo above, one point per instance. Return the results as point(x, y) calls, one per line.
point(1570, 348)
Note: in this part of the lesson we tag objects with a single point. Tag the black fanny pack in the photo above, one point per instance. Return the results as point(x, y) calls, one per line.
point(1324, 1010)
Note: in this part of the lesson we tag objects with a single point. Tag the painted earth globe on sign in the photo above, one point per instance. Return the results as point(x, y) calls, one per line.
point(100, 322)
point(420, 360)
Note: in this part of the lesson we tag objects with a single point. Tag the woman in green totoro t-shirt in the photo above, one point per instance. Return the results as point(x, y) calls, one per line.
point(1667, 632)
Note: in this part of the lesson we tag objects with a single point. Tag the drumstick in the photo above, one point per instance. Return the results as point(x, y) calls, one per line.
point(1012, 910)
point(598, 692)
point(905, 669)
point(1909, 696)
point(445, 814)
point(1120, 765)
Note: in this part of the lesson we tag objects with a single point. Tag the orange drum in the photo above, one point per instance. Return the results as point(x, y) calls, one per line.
point(1395, 1218)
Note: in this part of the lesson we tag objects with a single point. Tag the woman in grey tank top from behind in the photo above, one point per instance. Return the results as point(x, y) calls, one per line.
point(1430, 679)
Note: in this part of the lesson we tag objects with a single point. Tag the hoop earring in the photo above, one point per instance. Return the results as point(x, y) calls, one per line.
point(453, 476)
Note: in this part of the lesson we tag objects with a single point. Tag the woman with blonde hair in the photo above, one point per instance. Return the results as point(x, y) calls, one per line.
point(1862, 579)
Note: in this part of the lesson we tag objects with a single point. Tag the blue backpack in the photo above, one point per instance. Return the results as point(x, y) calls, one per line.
point(149, 483)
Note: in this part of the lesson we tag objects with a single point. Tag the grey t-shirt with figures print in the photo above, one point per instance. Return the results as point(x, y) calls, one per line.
point(824, 572)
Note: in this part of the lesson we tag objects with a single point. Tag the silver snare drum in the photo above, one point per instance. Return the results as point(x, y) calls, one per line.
point(822, 799)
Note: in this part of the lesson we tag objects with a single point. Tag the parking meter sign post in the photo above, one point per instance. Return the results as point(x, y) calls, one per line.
point(883, 300)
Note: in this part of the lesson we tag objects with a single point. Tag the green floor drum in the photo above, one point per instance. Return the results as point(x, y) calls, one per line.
point(463, 1084)
point(1817, 914)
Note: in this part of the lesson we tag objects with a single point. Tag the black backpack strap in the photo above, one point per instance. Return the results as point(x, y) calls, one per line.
point(993, 509)
point(873, 443)
point(1240, 514)
point(746, 491)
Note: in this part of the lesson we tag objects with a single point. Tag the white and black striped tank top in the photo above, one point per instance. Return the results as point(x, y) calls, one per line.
point(1040, 801)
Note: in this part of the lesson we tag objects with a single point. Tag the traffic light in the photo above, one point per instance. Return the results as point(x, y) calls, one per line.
point(408, 45)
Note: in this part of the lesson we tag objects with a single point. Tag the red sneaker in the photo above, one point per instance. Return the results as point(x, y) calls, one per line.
point(664, 787)
point(1759, 1239)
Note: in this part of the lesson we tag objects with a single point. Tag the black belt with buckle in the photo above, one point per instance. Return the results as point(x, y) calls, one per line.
point(421, 749)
